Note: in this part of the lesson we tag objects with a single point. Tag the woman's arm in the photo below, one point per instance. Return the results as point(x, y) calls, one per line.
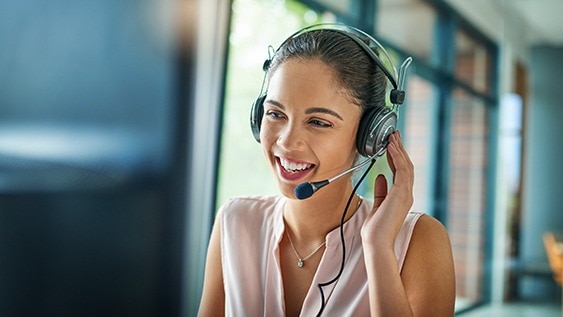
point(428, 271)
point(213, 297)
point(426, 286)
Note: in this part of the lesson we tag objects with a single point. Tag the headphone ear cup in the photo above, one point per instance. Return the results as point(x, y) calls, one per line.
point(376, 125)
point(256, 114)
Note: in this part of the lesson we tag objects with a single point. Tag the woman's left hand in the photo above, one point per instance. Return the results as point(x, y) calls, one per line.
point(390, 208)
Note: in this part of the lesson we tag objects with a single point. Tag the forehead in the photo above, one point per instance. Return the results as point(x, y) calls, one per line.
point(306, 77)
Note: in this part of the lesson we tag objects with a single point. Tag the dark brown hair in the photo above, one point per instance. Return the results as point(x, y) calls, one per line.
point(354, 69)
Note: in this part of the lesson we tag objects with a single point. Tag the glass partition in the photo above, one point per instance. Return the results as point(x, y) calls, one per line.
point(408, 24)
point(418, 134)
point(467, 185)
point(473, 62)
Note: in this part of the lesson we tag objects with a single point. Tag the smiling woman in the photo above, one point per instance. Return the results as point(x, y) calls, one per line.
point(279, 255)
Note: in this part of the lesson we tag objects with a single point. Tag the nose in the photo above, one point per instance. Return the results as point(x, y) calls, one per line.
point(291, 137)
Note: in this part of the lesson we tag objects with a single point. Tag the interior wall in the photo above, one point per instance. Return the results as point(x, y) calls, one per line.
point(542, 197)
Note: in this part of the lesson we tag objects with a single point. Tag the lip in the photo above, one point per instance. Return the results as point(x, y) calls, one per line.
point(293, 176)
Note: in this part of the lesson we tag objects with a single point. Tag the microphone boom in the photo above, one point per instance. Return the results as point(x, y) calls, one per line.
point(307, 189)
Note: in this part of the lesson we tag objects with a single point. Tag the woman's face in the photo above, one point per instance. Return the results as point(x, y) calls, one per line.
point(309, 127)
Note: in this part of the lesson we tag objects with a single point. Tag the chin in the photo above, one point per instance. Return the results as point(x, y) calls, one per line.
point(286, 190)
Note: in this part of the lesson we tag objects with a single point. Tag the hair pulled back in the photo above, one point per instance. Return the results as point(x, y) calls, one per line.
point(354, 69)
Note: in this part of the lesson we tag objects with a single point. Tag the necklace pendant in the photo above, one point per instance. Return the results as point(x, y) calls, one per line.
point(300, 263)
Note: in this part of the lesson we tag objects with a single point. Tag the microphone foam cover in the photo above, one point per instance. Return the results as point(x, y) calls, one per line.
point(304, 190)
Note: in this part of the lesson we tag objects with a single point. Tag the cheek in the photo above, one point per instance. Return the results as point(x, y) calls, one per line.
point(266, 133)
point(347, 136)
point(340, 148)
point(347, 146)
point(346, 149)
point(268, 137)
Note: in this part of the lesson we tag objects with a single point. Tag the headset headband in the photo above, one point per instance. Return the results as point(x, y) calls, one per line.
point(397, 95)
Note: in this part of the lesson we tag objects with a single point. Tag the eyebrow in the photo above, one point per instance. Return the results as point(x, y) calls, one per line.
point(309, 110)
point(323, 110)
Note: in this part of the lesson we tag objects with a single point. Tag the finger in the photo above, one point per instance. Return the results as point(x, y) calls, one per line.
point(404, 171)
point(380, 190)
point(389, 156)
point(396, 155)
point(403, 150)
point(406, 160)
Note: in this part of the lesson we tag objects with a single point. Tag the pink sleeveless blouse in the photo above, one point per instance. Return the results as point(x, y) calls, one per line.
point(251, 229)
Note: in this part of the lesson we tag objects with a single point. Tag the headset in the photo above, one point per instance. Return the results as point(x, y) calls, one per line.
point(377, 123)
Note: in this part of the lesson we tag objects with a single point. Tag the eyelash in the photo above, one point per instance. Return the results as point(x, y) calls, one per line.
point(320, 123)
point(275, 115)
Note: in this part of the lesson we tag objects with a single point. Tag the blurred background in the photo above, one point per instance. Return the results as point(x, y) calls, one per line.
point(124, 125)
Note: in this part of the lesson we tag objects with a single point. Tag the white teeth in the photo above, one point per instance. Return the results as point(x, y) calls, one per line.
point(293, 167)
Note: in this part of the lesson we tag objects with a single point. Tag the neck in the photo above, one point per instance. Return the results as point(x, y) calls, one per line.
point(313, 218)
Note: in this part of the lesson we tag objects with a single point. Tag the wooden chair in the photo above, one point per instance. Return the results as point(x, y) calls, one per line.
point(554, 252)
point(554, 256)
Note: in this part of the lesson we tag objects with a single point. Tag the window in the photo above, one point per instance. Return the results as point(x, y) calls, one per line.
point(340, 6)
point(418, 114)
point(242, 167)
point(466, 194)
point(473, 62)
point(408, 24)
point(445, 125)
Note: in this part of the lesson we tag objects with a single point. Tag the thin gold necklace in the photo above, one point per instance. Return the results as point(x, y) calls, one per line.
point(300, 260)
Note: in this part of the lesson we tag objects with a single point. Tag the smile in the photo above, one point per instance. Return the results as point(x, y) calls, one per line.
point(294, 167)
point(293, 170)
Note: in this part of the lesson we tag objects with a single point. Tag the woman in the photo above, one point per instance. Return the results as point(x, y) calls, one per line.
point(273, 256)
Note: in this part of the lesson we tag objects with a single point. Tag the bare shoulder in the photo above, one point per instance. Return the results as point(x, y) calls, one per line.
point(428, 273)
point(429, 230)
point(429, 243)
point(213, 295)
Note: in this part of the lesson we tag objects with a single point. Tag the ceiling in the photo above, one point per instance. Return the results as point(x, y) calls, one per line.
point(543, 18)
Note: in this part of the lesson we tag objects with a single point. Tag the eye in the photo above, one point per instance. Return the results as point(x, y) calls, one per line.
point(320, 123)
point(275, 115)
